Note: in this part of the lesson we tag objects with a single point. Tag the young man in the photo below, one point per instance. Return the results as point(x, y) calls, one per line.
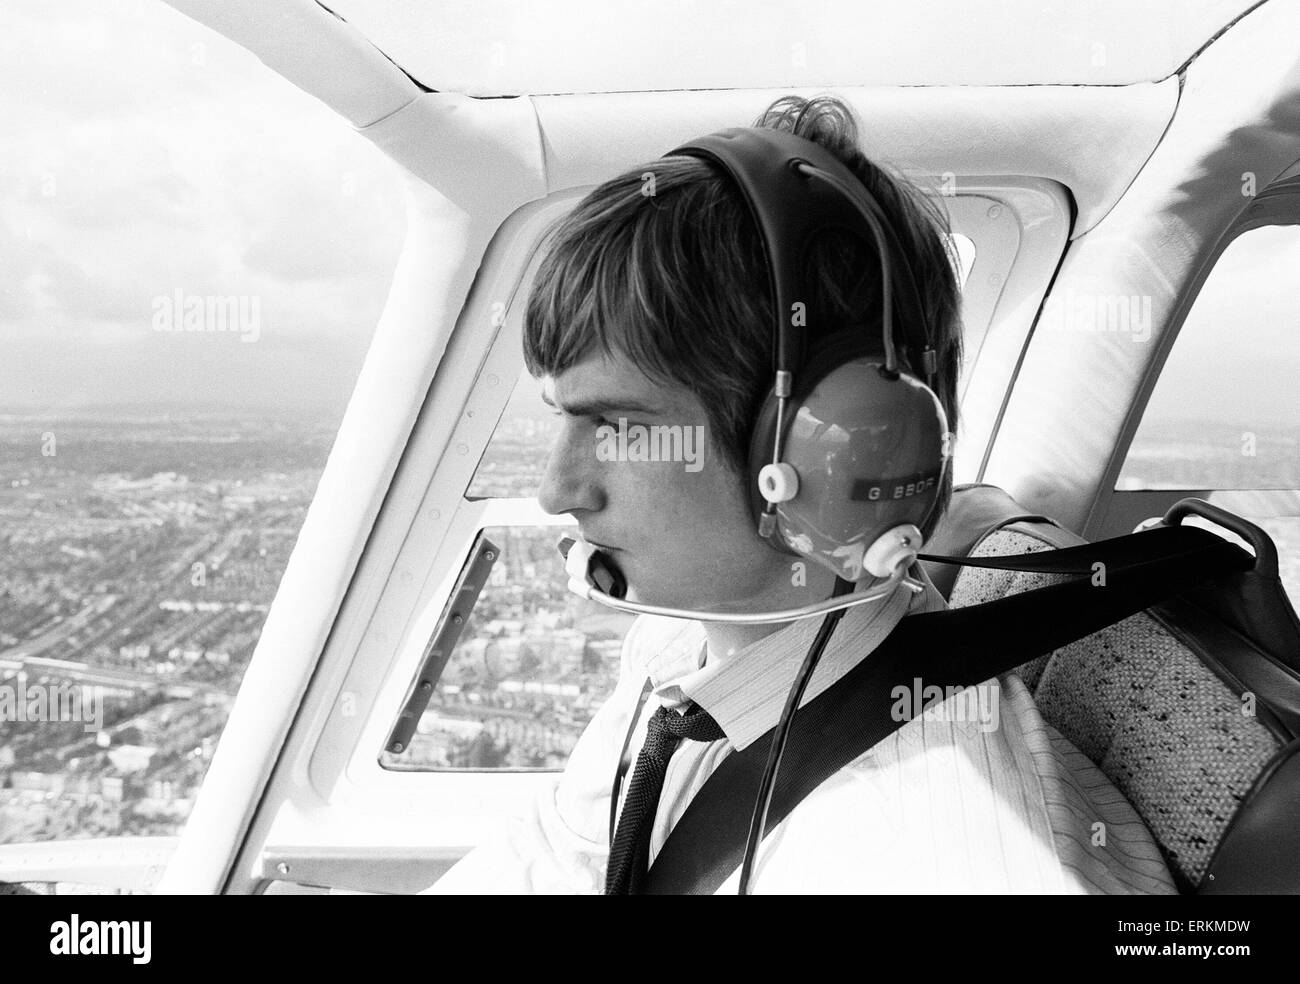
point(652, 308)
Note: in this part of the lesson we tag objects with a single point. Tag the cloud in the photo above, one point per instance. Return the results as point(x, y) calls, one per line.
point(146, 154)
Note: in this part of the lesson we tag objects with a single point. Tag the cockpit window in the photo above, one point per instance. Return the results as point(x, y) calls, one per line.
point(196, 254)
point(530, 668)
point(1205, 430)
point(515, 459)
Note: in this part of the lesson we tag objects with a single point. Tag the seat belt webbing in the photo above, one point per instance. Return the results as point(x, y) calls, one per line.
point(953, 648)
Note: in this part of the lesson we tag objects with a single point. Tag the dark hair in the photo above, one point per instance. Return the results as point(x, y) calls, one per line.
point(663, 265)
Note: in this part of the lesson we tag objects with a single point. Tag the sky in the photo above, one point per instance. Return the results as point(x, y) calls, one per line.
point(1237, 355)
point(144, 154)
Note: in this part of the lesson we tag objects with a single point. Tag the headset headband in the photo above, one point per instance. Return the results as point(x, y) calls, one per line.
point(794, 189)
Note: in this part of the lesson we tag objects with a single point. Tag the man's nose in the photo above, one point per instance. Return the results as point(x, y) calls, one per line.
point(571, 483)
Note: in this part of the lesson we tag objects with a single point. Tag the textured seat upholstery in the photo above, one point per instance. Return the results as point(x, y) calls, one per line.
point(1151, 706)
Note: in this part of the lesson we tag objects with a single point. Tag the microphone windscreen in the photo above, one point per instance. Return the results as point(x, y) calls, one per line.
point(577, 558)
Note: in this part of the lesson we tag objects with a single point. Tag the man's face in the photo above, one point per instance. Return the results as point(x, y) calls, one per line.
point(679, 530)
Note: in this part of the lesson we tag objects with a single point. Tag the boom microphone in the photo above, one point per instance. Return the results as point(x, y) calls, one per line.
point(595, 576)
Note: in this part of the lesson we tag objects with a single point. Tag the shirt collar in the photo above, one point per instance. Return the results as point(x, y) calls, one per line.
point(746, 691)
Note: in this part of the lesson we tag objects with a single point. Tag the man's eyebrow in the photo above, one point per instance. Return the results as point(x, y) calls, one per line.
point(600, 407)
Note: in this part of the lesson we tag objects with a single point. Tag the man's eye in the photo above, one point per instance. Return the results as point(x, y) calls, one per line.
point(603, 422)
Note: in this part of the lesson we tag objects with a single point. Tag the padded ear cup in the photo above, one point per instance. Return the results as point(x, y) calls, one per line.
point(832, 351)
point(854, 342)
point(868, 451)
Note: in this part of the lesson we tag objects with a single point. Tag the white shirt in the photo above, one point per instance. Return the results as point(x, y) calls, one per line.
point(969, 797)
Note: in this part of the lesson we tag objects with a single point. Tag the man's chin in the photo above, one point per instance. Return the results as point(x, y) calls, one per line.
point(693, 592)
point(659, 598)
point(674, 597)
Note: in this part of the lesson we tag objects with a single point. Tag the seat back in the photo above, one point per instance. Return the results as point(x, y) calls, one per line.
point(1192, 721)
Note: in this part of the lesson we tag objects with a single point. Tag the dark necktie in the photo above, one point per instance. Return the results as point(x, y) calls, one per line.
point(630, 853)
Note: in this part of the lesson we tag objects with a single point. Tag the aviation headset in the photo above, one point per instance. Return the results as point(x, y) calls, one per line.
point(850, 447)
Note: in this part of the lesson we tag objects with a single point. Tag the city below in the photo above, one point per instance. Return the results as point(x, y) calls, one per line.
point(142, 554)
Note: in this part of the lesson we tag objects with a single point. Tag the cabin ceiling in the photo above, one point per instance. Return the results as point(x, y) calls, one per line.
point(513, 47)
